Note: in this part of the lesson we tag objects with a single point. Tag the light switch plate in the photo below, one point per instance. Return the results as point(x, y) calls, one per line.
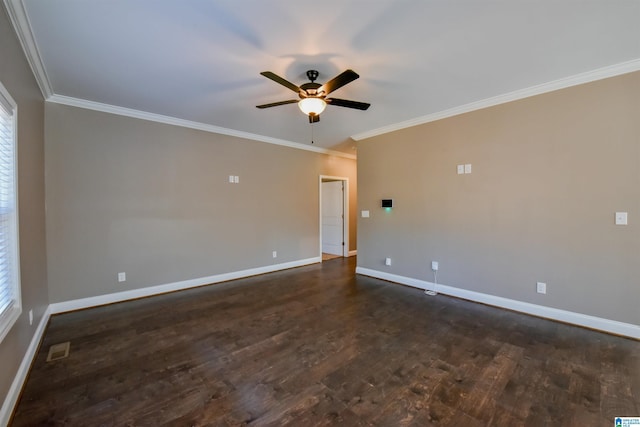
point(467, 168)
point(621, 218)
point(365, 214)
point(460, 169)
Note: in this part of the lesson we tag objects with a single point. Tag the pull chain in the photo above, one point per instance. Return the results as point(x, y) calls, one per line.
point(312, 132)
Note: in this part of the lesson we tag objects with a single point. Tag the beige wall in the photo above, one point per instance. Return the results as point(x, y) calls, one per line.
point(17, 78)
point(548, 174)
point(153, 200)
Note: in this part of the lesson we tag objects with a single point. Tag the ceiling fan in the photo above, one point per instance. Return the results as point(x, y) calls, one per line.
point(313, 96)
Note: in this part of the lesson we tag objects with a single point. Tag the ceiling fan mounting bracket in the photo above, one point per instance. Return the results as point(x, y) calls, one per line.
point(312, 75)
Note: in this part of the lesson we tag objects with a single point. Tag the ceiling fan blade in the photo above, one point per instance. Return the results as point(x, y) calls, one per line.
point(346, 103)
point(276, 78)
point(338, 81)
point(275, 104)
point(314, 118)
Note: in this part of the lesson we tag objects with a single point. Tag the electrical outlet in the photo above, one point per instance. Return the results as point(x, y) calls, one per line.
point(275, 254)
point(30, 317)
point(387, 261)
point(122, 277)
point(434, 265)
point(541, 288)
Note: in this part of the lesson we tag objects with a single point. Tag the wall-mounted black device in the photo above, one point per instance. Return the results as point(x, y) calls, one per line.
point(387, 203)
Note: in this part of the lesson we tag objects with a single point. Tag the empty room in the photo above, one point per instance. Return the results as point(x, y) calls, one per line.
point(360, 213)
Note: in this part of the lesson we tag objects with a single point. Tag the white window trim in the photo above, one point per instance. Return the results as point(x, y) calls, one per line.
point(9, 317)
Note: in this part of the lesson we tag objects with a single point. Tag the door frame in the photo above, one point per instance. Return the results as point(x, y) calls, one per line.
point(345, 212)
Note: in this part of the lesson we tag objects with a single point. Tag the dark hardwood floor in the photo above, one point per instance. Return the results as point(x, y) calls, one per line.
point(319, 345)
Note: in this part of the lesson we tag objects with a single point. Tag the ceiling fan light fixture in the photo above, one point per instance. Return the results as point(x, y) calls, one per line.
point(311, 105)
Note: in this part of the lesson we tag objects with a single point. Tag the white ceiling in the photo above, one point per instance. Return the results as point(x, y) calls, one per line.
point(199, 60)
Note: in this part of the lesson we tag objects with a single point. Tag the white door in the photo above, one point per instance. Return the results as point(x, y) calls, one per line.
point(332, 217)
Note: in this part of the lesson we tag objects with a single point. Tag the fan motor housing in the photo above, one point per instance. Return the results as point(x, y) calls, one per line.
point(309, 89)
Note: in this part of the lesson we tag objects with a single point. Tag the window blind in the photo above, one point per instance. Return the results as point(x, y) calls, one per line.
point(9, 277)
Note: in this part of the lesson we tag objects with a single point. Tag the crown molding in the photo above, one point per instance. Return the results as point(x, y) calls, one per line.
point(22, 26)
point(578, 79)
point(143, 115)
point(20, 21)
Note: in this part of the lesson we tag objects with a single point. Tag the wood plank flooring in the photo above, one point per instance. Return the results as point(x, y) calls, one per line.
point(317, 346)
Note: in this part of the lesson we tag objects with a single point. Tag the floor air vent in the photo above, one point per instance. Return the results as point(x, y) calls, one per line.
point(58, 351)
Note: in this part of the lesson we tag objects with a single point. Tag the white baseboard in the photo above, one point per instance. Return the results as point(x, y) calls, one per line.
point(592, 322)
point(13, 394)
point(420, 284)
point(16, 386)
point(353, 253)
point(61, 307)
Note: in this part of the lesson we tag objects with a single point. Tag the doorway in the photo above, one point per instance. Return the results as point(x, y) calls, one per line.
point(334, 217)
